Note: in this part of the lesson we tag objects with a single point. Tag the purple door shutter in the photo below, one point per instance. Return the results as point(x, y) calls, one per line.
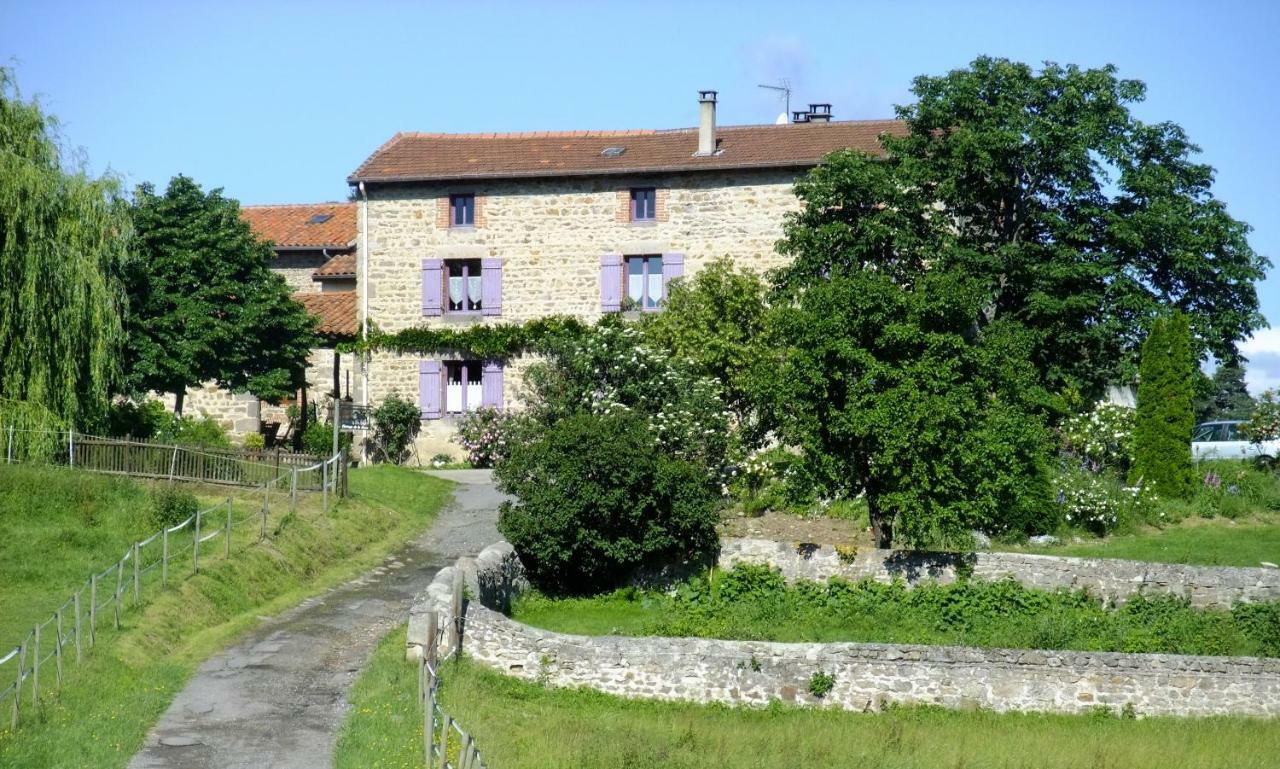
point(491, 385)
point(432, 286)
point(491, 286)
point(610, 282)
point(429, 388)
point(672, 267)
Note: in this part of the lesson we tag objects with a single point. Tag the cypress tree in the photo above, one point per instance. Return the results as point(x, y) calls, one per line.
point(1166, 417)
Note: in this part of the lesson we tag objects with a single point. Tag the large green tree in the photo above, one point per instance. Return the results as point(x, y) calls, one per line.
point(888, 392)
point(1165, 417)
point(205, 304)
point(63, 239)
point(1079, 221)
point(1226, 396)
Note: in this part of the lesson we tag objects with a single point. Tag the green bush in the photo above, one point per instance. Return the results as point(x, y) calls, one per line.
point(171, 505)
point(595, 499)
point(254, 442)
point(395, 425)
point(204, 432)
point(1166, 403)
point(1102, 436)
point(317, 440)
point(488, 435)
point(138, 421)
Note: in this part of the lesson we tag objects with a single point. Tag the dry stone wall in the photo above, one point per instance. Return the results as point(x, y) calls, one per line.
point(866, 676)
point(1111, 579)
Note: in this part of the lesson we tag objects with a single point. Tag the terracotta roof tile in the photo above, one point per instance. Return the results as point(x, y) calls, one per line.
point(426, 157)
point(340, 266)
point(291, 226)
point(335, 309)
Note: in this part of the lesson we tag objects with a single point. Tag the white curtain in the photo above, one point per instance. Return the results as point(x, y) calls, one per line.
point(473, 289)
point(455, 290)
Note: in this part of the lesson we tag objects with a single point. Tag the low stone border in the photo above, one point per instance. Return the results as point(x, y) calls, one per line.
point(866, 676)
point(1112, 579)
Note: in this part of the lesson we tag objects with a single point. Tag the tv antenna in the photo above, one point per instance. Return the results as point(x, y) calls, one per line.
point(785, 89)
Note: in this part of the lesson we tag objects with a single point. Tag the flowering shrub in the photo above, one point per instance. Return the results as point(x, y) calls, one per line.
point(1264, 424)
point(487, 434)
point(1096, 502)
point(1102, 436)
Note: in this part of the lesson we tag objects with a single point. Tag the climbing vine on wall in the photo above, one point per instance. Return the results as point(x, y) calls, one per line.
point(500, 340)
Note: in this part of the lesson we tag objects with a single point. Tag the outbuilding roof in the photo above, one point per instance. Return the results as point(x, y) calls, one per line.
point(436, 157)
point(335, 309)
point(304, 225)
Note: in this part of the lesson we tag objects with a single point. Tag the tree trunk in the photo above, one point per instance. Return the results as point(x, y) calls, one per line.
point(179, 395)
point(881, 524)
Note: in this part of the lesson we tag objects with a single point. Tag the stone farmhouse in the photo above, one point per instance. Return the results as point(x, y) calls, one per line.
point(461, 229)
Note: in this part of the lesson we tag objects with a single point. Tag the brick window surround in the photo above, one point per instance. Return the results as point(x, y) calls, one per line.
point(624, 213)
point(644, 204)
point(446, 211)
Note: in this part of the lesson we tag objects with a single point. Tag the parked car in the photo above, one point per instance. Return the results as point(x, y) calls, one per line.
point(1226, 440)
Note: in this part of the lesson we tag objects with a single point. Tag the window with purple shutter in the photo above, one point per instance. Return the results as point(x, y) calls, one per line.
point(492, 289)
point(432, 283)
point(644, 279)
point(492, 387)
point(429, 389)
point(610, 282)
point(463, 386)
point(672, 267)
point(644, 202)
point(465, 293)
point(462, 210)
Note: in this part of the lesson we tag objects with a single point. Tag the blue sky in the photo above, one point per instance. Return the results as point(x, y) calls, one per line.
point(278, 102)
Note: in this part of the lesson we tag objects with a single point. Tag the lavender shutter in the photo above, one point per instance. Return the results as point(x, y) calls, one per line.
point(432, 286)
point(429, 388)
point(491, 385)
point(672, 267)
point(610, 282)
point(491, 286)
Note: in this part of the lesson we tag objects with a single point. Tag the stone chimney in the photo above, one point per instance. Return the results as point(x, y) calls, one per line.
point(706, 124)
point(819, 113)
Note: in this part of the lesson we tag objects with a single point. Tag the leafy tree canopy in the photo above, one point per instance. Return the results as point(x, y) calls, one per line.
point(1227, 397)
point(63, 239)
point(204, 302)
point(1078, 221)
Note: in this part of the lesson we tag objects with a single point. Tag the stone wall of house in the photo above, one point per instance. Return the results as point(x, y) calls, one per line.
point(1111, 579)
point(296, 267)
point(866, 676)
point(238, 413)
point(550, 234)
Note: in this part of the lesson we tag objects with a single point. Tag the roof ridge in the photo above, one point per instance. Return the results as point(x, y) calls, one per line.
point(610, 133)
point(298, 205)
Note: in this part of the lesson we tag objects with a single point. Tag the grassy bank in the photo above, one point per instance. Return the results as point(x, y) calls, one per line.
point(1217, 542)
point(520, 725)
point(753, 603)
point(383, 729)
point(107, 705)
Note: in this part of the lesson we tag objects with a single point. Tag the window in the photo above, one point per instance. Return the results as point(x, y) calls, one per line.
point(463, 386)
point(643, 277)
point(643, 204)
point(464, 285)
point(462, 210)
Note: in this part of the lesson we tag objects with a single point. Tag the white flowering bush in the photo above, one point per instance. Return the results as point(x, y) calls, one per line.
point(612, 371)
point(1101, 437)
point(1097, 502)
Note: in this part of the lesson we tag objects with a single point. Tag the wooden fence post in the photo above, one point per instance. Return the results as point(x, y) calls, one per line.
point(173, 463)
point(71, 447)
point(195, 548)
point(57, 650)
point(266, 510)
point(455, 608)
point(293, 489)
point(324, 485)
point(35, 672)
point(164, 556)
point(17, 687)
point(93, 610)
point(10, 452)
point(230, 512)
point(119, 580)
point(428, 711)
point(137, 577)
point(75, 606)
point(433, 630)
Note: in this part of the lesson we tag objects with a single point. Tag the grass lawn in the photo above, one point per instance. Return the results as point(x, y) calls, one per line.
point(520, 725)
point(383, 729)
point(1215, 542)
point(106, 706)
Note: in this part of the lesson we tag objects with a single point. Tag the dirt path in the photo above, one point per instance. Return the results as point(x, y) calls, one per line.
point(276, 699)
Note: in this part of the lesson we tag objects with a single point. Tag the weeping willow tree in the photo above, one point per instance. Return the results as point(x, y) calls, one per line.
point(63, 240)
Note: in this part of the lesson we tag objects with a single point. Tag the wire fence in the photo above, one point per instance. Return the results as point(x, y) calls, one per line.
point(72, 630)
point(445, 744)
point(139, 459)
